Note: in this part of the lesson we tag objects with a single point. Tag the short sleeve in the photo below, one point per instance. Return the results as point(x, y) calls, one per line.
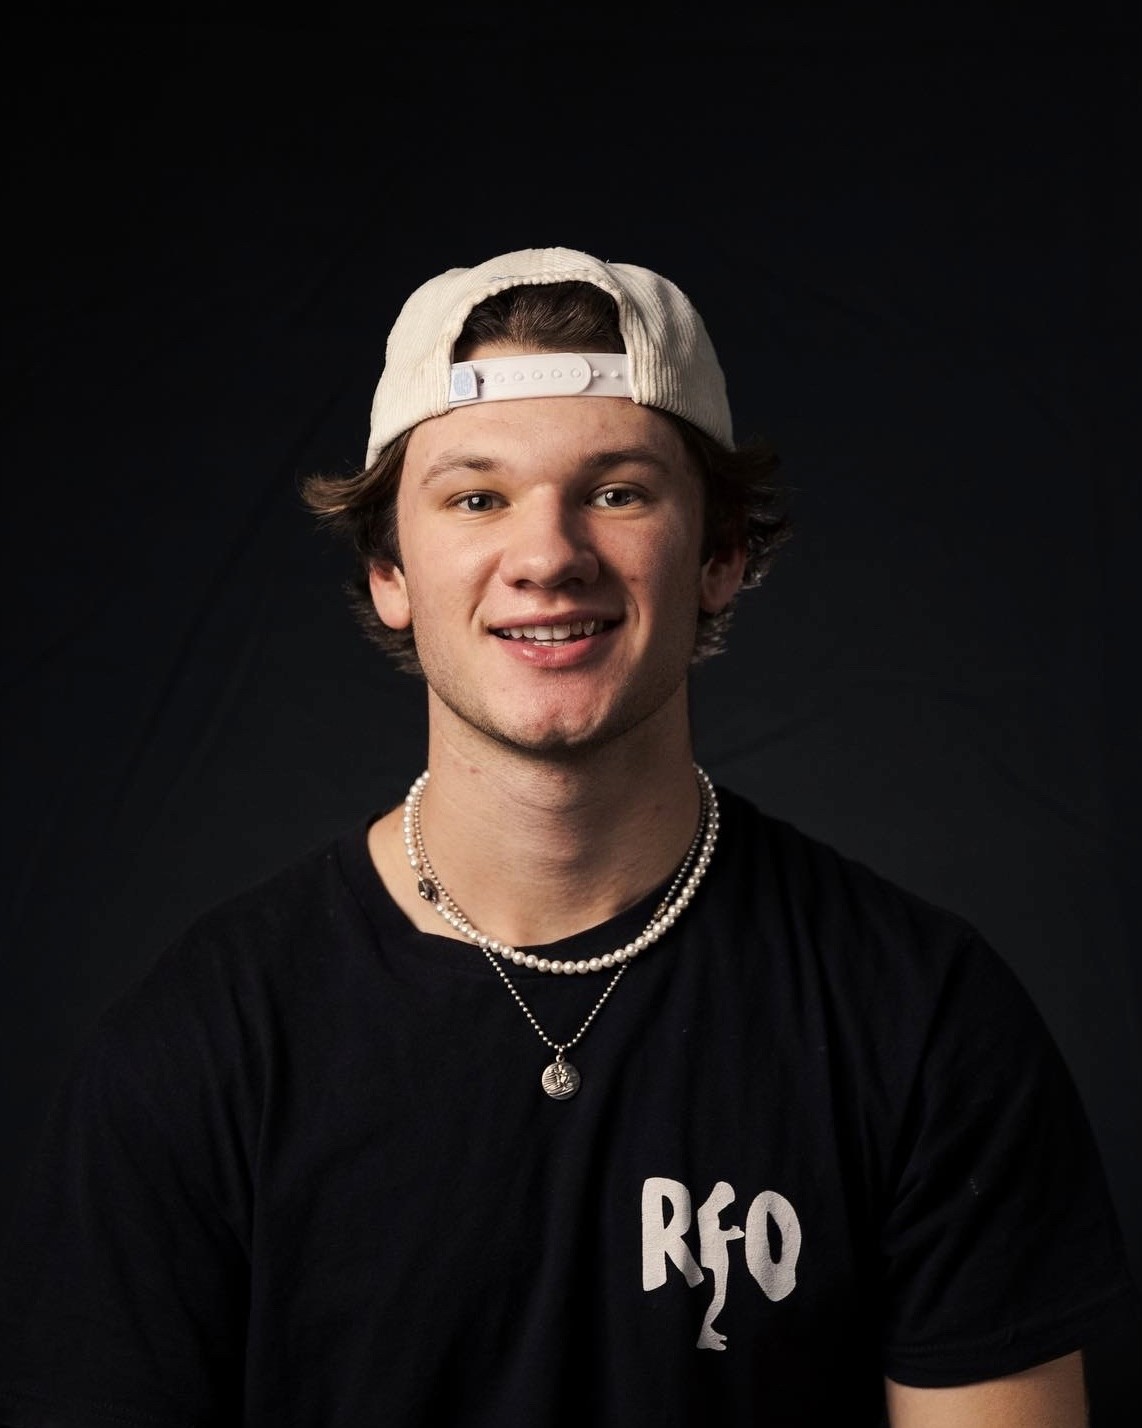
point(1000, 1246)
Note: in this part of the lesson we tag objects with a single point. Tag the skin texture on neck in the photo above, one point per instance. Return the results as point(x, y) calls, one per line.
point(534, 849)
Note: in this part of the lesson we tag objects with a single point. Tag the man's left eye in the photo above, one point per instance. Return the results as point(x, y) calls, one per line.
point(614, 498)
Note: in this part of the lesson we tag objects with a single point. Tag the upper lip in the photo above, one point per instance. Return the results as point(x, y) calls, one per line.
point(561, 617)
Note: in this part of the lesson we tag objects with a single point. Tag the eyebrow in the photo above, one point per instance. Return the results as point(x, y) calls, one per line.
point(597, 463)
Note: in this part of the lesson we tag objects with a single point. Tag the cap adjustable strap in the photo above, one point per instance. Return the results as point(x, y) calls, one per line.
point(542, 374)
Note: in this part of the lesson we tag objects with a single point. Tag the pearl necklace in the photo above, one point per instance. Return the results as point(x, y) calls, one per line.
point(561, 1080)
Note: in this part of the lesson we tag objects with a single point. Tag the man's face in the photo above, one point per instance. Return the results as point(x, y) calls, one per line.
point(551, 570)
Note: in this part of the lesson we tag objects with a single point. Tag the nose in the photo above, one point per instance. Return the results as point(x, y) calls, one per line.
point(547, 544)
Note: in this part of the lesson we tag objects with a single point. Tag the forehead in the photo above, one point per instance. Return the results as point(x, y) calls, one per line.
point(551, 435)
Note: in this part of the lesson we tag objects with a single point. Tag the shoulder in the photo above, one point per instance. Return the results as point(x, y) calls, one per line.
point(272, 910)
point(247, 956)
point(824, 894)
point(892, 970)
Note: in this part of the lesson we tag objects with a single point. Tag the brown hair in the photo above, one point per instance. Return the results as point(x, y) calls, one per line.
point(745, 503)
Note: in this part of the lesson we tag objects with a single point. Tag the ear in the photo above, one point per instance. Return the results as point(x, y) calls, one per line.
point(720, 579)
point(390, 595)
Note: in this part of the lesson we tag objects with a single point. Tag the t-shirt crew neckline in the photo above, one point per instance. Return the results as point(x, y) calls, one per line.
point(389, 922)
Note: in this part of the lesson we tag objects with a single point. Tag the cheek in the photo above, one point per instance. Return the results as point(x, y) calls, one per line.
point(671, 572)
point(443, 585)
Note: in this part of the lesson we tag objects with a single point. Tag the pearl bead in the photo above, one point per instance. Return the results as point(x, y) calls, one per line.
point(683, 890)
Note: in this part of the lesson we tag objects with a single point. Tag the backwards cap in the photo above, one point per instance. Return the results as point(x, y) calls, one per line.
point(670, 362)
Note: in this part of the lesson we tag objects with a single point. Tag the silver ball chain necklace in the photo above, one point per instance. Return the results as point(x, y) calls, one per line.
point(561, 1079)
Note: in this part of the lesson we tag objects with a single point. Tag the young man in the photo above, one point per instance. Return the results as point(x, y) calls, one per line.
point(574, 1090)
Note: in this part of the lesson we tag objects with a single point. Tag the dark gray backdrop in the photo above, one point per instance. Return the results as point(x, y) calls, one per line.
point(914, 242)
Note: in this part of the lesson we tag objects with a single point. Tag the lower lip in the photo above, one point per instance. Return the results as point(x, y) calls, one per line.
point(559, 656)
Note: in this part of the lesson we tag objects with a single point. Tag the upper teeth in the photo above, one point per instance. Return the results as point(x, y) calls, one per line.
point(548, 634)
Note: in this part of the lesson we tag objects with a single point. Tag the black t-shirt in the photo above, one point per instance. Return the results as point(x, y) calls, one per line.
point(305, 1173)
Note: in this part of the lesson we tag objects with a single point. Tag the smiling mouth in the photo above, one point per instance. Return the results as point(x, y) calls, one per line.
point(555, 634)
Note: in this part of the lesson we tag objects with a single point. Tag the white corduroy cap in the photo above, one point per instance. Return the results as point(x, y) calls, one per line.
point(670, 361)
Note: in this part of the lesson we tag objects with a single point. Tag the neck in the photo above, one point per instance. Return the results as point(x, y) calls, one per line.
point(536, 848)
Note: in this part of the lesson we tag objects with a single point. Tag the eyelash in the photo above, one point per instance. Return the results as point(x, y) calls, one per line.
point(461, 502)
point(597, 499)
point(631, 498)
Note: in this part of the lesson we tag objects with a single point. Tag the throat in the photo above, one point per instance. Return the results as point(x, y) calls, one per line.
point(582, 874)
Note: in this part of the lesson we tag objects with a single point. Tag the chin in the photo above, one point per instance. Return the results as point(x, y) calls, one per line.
point(550, 729)
point(561, 743)
point(560, 739)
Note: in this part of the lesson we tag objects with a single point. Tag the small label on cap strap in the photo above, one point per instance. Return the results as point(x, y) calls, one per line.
point(541, 374)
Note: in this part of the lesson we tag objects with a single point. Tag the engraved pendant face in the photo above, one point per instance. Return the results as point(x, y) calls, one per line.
point(560, 1080)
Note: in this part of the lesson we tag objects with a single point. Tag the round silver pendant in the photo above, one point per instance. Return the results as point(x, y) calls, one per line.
point(560, 1080)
